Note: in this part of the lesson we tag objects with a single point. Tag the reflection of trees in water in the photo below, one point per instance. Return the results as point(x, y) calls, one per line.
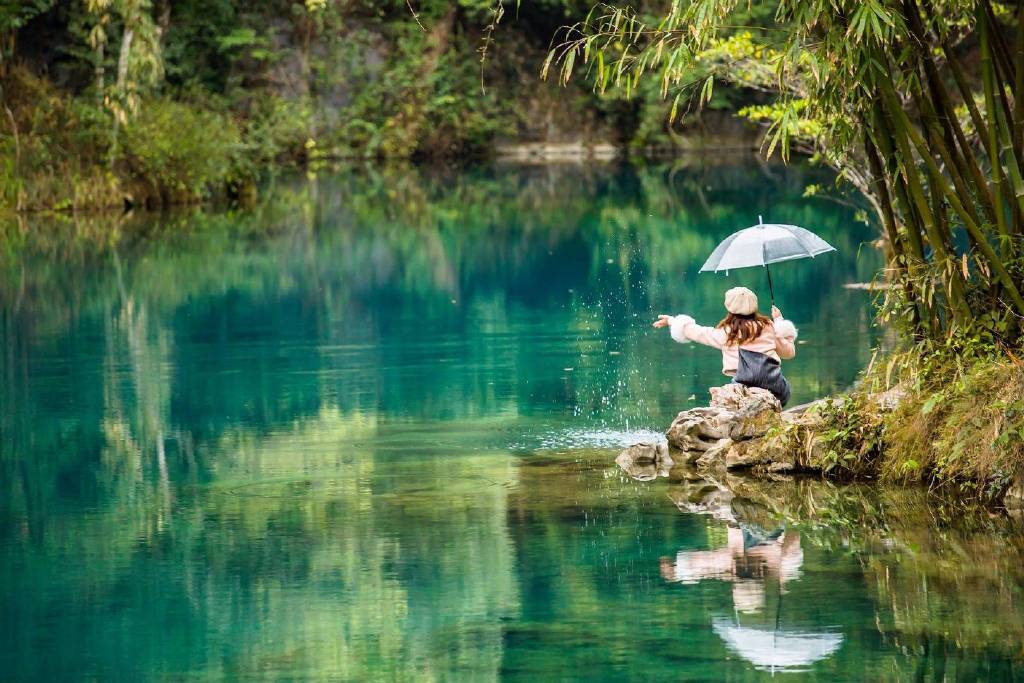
point(200, 351)
point(596, 251)
point(302, 553)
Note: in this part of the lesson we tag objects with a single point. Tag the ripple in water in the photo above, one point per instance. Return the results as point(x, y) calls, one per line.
point(587, 438)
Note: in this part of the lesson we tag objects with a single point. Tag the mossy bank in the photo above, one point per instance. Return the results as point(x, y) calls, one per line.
point(952, 421)
point(957, 424)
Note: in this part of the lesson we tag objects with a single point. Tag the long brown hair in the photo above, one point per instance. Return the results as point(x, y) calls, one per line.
point(740, 329)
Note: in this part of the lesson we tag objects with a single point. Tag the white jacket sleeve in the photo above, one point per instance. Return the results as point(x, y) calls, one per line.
point(685, 329)
point(785, 338)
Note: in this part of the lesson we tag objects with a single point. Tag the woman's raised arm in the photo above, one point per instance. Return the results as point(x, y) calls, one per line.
point(685, 329)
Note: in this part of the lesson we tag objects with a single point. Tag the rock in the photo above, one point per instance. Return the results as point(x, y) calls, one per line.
point(645, 461)
point(745, 428)
point(714, 457)
point(698, 429)
point(640, 472)
point(803, 408)
point(746, 454)
point(780, 450)
point(1013, 499)
point(734, 396)
point(645, 453)
point(755, 417)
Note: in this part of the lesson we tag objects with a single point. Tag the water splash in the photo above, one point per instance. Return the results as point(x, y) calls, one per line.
point(593, 437)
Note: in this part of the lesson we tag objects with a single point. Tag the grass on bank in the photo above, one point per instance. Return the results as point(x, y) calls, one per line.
point(951, 417)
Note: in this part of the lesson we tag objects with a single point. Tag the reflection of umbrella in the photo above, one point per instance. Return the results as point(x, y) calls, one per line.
point(762, 244)
point(776, 649)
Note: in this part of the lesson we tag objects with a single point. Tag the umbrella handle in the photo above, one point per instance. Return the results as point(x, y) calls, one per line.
point(771, 290)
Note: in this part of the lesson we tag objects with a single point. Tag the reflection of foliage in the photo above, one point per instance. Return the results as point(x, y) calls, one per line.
point(274, 518)
point(944, 575)
point(275, 416)
point(599, 252)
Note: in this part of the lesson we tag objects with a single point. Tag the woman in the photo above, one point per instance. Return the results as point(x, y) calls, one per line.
point(752, 345)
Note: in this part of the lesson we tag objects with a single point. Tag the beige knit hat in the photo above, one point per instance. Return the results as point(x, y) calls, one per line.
point(740, 301)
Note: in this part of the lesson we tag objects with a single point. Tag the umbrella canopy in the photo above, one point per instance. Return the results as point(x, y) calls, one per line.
point(776, 650)
point(765, 243)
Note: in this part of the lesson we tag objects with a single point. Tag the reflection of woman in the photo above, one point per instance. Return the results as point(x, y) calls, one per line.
point(752, 345)
point(746, 563)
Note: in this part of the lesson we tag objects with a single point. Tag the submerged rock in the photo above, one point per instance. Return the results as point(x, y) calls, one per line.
point(645, 461)
point(645, 453)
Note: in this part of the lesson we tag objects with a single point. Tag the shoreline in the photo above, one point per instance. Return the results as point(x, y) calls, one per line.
point(131, 193)
point(962, 438)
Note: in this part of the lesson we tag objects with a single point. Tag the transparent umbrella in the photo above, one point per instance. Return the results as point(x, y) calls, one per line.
point(774, 649)
point(763, 244)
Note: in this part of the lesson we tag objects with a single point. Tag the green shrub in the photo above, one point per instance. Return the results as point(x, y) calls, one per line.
point(180, 152)
point(852, 433)
point(276, 130)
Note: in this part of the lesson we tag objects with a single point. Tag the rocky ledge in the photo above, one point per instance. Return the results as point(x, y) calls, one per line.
point(746, 429)
point(742, 428)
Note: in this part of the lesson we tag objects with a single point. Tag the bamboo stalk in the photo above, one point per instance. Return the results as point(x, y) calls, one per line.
point(897, 258)
point(993, 259)
point(1018, 86)
point(965, 90)
point(1014, 173)
point(1001, 51)
point(992, 138)
point(884, 199)
point(966, 161)
point(1002, 65)
point(884, 142)
point(948, 157)
point(934, 231)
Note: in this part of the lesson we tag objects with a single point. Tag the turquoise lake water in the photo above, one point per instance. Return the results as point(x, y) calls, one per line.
point(366, 430)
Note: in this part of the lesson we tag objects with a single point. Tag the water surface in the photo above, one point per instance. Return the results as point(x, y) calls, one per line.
point(365, 430)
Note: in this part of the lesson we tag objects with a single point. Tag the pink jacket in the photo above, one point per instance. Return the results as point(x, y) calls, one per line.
point(777, 340)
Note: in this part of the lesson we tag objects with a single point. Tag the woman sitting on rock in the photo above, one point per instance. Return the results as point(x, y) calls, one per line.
point(752, 345)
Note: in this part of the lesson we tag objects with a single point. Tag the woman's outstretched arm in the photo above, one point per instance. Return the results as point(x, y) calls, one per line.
point(684, 329)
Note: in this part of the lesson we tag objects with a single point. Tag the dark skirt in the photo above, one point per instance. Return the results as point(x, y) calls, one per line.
point(758, 370)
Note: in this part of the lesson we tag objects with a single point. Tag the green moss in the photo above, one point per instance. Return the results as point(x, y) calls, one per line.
point(957, 424)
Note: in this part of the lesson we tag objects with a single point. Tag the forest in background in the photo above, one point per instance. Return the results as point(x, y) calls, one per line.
point(150, 103)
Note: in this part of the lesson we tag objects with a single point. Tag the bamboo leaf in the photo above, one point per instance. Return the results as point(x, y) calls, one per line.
point(707, 89)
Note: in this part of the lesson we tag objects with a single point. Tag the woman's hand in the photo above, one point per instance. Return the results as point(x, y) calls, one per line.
point(663, 321)
point(776, 313)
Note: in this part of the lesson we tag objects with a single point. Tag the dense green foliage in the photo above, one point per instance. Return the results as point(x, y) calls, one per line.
point(148, 102)
point(956, 420)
